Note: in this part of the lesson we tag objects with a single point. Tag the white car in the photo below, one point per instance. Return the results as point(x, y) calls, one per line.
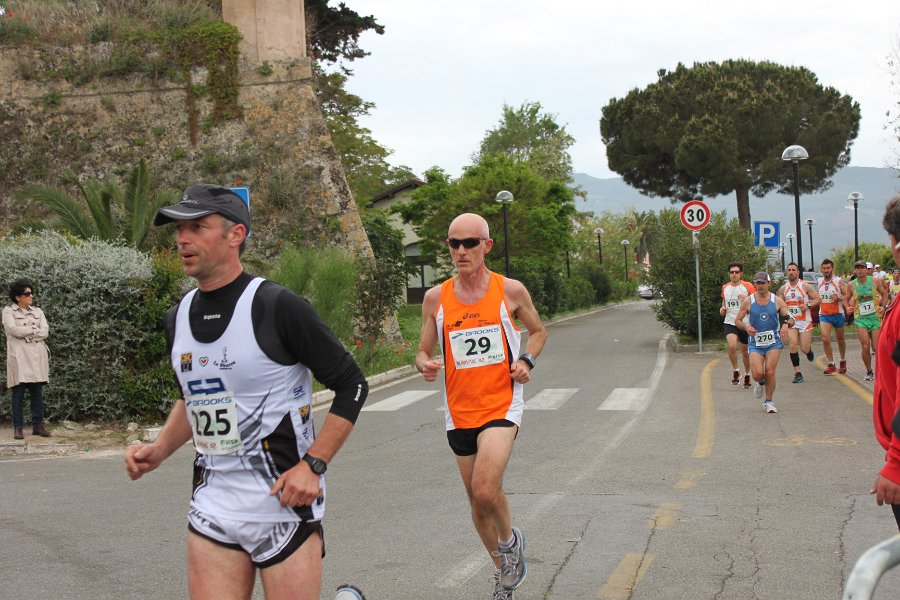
point(646, 291)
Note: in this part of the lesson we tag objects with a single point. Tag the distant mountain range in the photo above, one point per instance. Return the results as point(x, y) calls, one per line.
point(834, 224)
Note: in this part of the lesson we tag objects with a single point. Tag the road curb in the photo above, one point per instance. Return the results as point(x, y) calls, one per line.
point(7, 449)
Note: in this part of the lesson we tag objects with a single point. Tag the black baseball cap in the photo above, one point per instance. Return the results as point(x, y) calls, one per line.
point(205, 199)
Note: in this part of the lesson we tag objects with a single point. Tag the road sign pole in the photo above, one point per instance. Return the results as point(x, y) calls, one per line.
point(696, 240)
point(695, 216)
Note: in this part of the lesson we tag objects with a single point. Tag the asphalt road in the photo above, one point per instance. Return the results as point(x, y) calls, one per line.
point(638, 474)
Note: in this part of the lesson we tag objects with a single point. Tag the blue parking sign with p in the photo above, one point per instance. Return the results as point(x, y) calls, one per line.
point(767, 233)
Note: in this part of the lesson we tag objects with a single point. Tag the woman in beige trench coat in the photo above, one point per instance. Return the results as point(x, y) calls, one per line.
point(27, 356)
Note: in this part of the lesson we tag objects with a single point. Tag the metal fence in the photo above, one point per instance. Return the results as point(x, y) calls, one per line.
point(873, 563)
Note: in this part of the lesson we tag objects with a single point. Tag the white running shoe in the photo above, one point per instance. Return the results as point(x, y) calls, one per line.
point(770, 407)
point(758, 389)
point(348, 592)
point(512, 562)
point(499, 592)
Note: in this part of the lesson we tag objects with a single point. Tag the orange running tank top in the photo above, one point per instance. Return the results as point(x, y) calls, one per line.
point(479, 342)
point(830, 293)
point(797, 301)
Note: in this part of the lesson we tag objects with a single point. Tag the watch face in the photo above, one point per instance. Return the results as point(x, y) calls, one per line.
point(317, 465)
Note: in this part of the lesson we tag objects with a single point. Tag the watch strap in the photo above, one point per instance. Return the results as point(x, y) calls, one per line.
point(528, 359)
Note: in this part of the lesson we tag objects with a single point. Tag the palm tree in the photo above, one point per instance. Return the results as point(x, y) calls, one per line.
point(104, 210)
point(642, 223)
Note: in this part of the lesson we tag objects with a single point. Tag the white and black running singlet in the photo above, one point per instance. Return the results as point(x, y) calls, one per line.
point(250, 414)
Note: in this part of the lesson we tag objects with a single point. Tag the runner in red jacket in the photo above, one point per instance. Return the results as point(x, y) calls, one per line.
point(887, 383)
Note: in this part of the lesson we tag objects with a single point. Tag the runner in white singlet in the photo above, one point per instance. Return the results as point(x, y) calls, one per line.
point(800, 298)
point(733, 293)
point(244, 352)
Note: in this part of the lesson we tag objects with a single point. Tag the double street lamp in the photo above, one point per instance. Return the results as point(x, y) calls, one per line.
point(625, 252)
point(599, 231)
point(795, 154)
point(855, 198)
point(505, 198)
point(790, 238)
point(812, 263)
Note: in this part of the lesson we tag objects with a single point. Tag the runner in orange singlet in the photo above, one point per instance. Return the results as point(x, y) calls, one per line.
point(473, 316)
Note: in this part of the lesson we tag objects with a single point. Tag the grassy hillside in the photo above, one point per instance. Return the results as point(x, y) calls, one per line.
point(67, 22)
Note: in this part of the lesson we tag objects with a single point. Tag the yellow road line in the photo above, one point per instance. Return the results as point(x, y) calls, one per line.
point(688, 480)
point(706, 431)
point(665, 515)
point(854, 387)
point(625, 578)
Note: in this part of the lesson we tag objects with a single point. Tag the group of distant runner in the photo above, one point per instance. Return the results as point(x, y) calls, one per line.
point(759, 320)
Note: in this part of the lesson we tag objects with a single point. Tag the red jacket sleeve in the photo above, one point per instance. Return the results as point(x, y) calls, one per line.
point(887, 391)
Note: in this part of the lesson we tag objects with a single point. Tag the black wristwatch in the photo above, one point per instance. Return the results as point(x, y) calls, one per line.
point(528, 360)
point(317, 465)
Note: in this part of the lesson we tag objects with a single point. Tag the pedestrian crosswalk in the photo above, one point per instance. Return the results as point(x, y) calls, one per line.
point(400, 400)
point(634, 399)
point(550, 399)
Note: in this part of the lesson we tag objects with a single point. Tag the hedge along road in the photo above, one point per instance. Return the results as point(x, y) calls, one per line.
point(634, 476)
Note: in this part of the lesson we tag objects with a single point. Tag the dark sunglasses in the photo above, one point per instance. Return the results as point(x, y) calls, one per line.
point(27, 294)
point(467, 243)
point(735, 272)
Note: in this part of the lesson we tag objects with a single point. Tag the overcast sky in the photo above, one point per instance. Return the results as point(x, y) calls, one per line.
point(443, 70)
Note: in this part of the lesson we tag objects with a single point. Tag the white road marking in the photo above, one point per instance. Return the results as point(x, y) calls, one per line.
point(626, 399)
point(463, 571)
point(400, 400)
point(550, 399)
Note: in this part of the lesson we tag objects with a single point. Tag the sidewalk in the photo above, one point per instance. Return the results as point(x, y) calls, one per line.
point(73, 438)
point(66, 438)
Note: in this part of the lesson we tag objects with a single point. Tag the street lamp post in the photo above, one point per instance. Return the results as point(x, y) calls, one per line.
point(790, 238)
point(795, 154)
point(812, 263)
point(782, 256)
point(625, 252)
point(855, 197)
point(599, 231)
point(505, 198)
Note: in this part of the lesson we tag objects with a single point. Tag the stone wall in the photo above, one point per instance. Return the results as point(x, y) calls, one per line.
point(279, 147)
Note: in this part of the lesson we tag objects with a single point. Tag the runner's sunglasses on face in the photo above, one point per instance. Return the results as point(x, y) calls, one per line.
point(467, 243)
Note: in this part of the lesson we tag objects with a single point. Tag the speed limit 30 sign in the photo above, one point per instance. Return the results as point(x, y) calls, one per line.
point(695, 215)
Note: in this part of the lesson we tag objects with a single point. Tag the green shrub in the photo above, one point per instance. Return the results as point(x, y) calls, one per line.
point(673, 272)
point(100, 31)
point(265, 69)
point(325, 277)
point(51, 99)
point(105, 305)
point(598, 279)
point(578, 293)
point(545, 284)
point(622, 290)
